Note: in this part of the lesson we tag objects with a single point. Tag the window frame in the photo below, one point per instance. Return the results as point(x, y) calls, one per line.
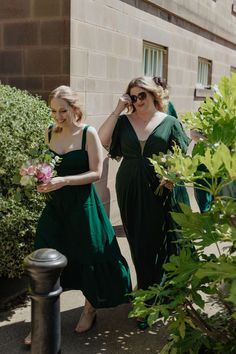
point(203, 90)
point(209, 74)
point(156, 47)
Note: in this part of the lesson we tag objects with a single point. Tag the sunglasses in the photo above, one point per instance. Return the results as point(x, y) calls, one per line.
point(141, 96)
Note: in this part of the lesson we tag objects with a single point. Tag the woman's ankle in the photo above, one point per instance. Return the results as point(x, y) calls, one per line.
point(88, 308)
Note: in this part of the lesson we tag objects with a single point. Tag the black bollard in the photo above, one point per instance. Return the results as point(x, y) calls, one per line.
point(44, 267)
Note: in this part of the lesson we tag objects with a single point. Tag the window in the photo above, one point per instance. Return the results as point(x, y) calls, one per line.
point(204, 73)
point(203, 86)
point(154, 60)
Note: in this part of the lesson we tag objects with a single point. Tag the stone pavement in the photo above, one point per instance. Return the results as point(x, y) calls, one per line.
point(113, 333)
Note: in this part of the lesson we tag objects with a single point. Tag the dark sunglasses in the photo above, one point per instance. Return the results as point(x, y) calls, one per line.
point(141, 96)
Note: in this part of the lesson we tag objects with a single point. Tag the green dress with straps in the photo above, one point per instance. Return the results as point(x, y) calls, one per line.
point(75, 223)
point(146, 216)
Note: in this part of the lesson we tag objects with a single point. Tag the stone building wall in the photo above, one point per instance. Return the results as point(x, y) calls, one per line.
point(107, 47)
point(35, 44)
point(214, 16)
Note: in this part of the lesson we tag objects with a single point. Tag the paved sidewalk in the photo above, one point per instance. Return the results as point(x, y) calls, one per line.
point(113, 332)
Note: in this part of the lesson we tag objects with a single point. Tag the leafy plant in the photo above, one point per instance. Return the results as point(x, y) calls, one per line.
point(23, 119)
point(216, 117)
point(199, 277)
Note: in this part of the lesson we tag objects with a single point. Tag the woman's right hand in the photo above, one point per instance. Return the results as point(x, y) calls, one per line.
point(124, 102)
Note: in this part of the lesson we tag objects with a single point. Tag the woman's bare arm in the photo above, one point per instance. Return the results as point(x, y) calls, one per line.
point(106, 130)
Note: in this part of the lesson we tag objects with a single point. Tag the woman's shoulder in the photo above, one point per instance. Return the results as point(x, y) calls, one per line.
point(170, 119)
point(89, 129)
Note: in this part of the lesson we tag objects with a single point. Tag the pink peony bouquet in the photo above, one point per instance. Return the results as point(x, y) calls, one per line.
point(39, 170)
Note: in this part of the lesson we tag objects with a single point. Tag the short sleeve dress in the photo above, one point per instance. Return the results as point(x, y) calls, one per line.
point(75, 223)
point(146, 216)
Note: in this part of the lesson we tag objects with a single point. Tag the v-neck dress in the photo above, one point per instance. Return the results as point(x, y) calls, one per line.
point(75, 223)
point(146, 216)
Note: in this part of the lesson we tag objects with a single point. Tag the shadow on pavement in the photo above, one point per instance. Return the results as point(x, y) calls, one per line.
point(113, 333)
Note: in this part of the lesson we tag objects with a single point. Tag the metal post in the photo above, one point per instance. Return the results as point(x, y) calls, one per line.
point(44, 267)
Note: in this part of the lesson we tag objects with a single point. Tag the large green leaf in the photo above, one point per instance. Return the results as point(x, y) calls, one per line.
point(219, 271)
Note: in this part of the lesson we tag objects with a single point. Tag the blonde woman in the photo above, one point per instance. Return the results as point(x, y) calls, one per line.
point(135, 136)
point(74, 221)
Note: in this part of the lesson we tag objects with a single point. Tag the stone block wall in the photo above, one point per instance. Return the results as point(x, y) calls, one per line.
point(212, 15)
point(106, 53)
point(35, 44)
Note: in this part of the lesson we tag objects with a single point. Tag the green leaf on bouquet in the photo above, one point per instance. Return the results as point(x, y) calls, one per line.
point(175, 165)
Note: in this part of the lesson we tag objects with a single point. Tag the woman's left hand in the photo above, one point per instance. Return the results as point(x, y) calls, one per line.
point(167, 184)
point(54, 184)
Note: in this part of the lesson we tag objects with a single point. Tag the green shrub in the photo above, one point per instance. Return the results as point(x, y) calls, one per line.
point(23, 118)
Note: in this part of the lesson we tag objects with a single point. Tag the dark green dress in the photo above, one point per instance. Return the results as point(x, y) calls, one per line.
point(171, 111)
point(145, 216)
point(75, 223)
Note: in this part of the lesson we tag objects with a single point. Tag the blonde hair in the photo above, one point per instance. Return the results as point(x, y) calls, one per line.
point(150, 86)
point(162, 82)
point(70, 96)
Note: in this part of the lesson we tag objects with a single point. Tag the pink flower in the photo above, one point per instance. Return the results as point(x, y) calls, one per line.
point(38, 170)
point(23, 171)
point(32, 170)
point(44, 173)
point(28, 170)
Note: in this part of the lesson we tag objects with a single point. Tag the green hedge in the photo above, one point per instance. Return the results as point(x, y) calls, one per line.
point(23, 118)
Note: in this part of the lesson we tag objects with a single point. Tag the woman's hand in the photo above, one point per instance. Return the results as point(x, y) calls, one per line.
point(167, 184)
point(124, 102)
point(54, 184)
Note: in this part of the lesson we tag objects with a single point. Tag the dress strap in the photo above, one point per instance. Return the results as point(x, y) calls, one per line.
point(84, 137)
point(50, 132)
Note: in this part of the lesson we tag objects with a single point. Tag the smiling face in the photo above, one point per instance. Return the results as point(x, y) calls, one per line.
point(62, 112)
point(141, 98)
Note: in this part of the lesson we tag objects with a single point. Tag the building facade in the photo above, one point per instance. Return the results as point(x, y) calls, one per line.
point(35, 44)
point(97, 46)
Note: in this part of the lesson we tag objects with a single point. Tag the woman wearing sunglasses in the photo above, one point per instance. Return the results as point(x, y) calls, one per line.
point(135, 136)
